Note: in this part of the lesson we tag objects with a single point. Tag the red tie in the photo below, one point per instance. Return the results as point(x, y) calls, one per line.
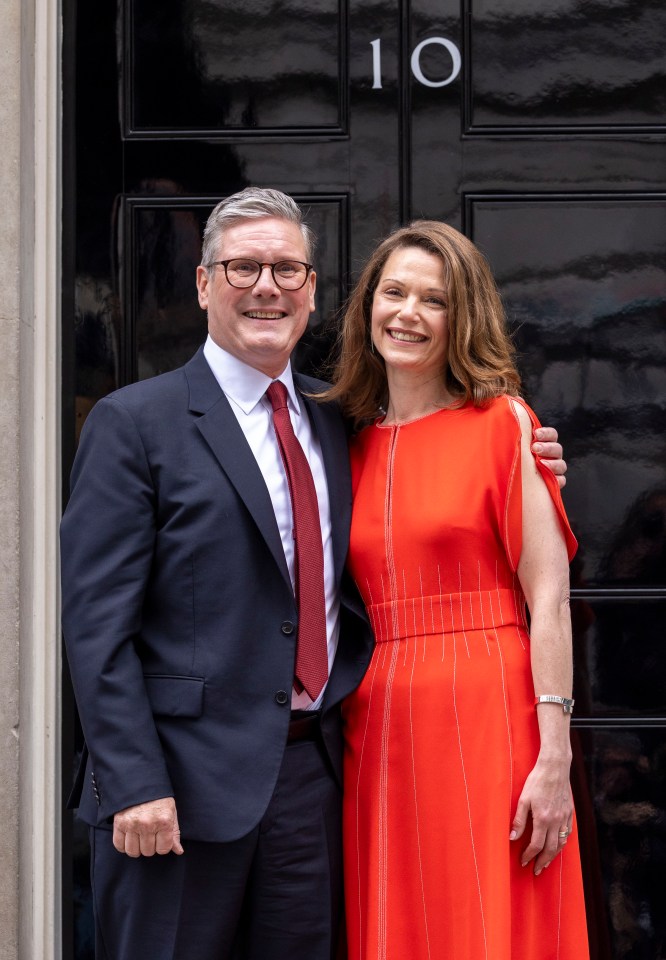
point(311, 649)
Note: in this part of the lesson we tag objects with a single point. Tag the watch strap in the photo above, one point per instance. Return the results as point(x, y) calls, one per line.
point(567, 705)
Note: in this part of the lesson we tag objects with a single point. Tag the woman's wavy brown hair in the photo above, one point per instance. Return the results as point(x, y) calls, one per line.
point(480, 362)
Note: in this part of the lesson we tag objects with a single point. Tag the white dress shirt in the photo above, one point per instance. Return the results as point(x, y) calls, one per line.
point(245, 389)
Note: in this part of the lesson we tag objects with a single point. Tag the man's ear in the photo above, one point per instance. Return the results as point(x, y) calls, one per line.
point(312, 280)
point(202, 287)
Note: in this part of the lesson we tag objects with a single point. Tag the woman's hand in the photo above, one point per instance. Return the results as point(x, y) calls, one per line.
point(546, 798)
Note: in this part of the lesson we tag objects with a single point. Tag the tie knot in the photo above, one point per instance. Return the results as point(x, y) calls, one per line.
point(277, 395)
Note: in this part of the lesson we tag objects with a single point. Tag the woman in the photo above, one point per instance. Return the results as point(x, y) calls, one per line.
point(457, 794)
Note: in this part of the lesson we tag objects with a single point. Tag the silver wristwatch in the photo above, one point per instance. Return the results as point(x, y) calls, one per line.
point(567, 705)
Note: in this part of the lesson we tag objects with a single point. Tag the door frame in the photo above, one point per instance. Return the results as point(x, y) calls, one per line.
point(39, 905)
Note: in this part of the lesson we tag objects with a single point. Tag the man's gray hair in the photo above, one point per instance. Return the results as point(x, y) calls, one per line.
point(252, 203)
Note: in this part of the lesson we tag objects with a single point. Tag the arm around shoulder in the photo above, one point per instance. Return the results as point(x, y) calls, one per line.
point(546, 446)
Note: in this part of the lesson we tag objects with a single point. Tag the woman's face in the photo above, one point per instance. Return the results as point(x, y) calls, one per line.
point(409, 321)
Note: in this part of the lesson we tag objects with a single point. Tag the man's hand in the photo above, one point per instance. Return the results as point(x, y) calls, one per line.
point(147, 829)
point(550, 451)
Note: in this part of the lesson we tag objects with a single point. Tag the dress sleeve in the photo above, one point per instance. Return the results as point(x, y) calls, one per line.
point(513, 514)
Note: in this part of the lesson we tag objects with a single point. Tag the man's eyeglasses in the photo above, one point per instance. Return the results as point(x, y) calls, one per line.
point(287, 274)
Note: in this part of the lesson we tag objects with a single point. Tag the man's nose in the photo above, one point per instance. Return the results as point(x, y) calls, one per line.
point(265, 282)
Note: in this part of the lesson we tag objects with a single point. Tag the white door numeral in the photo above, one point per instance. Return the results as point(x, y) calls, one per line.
point(448, 45)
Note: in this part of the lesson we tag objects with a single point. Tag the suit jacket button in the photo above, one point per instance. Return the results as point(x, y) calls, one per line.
point(287, 627)
point(281, 697)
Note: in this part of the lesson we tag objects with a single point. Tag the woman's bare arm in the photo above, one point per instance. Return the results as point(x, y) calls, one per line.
point(544, 575)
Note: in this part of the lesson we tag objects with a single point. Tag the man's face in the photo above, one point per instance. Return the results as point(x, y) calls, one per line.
point(260, 324)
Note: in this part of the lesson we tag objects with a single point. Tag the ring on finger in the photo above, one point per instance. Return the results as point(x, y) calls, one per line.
point(563, 834)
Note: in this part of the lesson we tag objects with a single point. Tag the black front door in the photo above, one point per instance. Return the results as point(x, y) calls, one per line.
point(540, 133)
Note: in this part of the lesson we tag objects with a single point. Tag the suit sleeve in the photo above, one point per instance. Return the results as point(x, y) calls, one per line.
point(107, 543)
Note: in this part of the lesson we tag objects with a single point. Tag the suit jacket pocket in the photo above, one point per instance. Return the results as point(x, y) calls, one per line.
point(175, 696)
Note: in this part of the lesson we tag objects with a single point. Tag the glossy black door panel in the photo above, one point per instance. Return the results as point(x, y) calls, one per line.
point(619, 779)
point(620, 667)
point(434, 114)
point(573, 66)
point(196, 69)
point(584, 283)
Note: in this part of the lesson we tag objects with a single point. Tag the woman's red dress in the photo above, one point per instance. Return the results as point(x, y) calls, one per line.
point(442, 732)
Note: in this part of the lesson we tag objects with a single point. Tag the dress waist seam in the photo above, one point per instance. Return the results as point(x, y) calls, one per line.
point(450, 613)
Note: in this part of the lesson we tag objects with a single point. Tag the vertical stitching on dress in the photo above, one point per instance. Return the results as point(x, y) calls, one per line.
point(504, 697)
point(383, 807)
point(441, 611)
point(483, 622)
point(404, 612)
point(499, 595)
point(416, 806)
point(508, 722)
point(469, 811)
point(414, 628)
point(493, 619)
point(453, 632)
point(423, 614)
point(358, 783)
point(386, 621)
point(471, 601)
point(388, 530)
point(376, 620)
point(462, 615)
point(382, 825)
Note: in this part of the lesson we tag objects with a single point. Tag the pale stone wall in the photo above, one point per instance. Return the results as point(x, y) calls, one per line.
point(29, 472)
point(10, 99)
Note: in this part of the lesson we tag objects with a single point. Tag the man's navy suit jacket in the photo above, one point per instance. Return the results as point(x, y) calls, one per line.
point(178, 612)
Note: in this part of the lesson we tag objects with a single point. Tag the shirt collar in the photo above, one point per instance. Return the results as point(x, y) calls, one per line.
point(242, 383)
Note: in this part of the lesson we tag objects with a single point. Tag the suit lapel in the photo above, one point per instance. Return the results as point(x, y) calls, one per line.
point(220, 429)
point(222, 432)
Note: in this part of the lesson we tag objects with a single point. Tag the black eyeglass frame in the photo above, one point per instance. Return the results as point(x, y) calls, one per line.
point(225, 263)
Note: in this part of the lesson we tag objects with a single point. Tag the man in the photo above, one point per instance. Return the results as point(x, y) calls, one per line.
point(187, 617)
